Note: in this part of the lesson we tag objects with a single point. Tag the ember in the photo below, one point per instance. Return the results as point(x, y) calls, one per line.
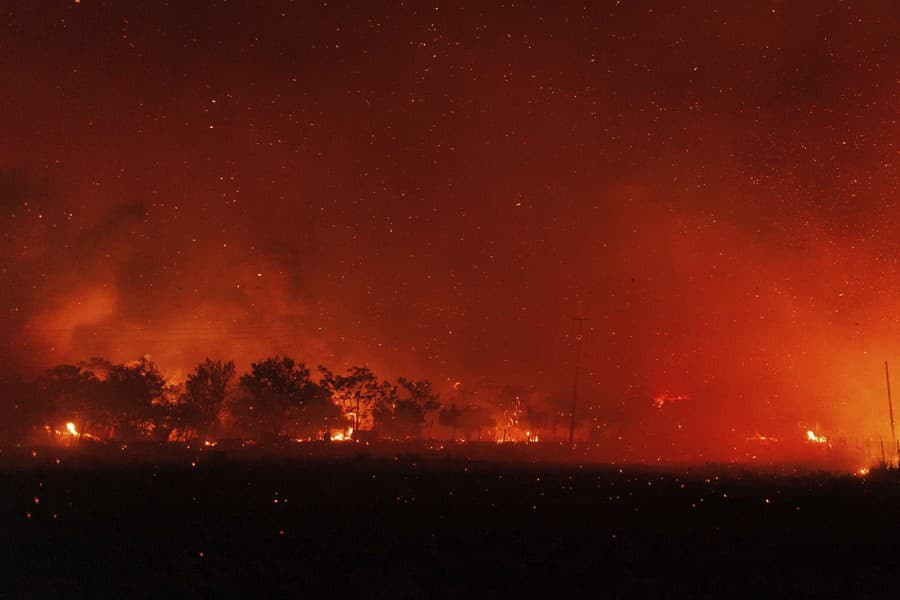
point(667, 398)
point(816, 439)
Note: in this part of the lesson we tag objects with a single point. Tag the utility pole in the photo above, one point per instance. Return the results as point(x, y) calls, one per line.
point(581, 321)
point(887, 378)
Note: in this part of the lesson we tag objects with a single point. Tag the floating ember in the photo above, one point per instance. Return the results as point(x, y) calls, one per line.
point(765, 439)
point(667, 398)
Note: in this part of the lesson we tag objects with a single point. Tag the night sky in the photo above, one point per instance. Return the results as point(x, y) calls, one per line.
point(437, 189)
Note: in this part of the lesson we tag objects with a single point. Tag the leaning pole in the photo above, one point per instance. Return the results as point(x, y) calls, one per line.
point(887, 379)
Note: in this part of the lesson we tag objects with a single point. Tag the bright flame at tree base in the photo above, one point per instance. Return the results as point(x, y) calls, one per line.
point(818, 439)
point(342, 436)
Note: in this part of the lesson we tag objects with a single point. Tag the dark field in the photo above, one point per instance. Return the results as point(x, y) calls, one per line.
point(407, 526)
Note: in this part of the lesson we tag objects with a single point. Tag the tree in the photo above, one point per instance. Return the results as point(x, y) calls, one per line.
point(469, 419)
point(474, 419)
point(132, 396)
point(97, 365)
point(279, 392)
point(422, 392)
point(451, 417)
point(403, 415)
point(357, 393)
point(71, 393)
point(207, 389)
point(319, 414)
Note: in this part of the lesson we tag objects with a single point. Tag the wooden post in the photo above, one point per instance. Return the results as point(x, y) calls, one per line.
point(581, 321)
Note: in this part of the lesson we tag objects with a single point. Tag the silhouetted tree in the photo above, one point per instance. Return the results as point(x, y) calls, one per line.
point(169, 411)
point(71, 393)
point(97, 365)
point(357, 393)
point(207, 388)
point(318, 414)
point(451, 417)
point(402, 416)
point(383, 413)
point(475, 419)
point(469, 419)
point(133, 398)
point(279, 392)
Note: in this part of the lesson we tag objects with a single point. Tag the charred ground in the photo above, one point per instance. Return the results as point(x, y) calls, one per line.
point(220, 523)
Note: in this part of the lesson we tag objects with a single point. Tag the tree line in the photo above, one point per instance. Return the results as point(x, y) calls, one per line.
point(278, 398)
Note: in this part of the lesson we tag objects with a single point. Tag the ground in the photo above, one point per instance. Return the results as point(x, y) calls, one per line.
point(214, 524)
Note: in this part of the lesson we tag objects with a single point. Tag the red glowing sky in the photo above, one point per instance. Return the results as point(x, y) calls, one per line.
point(437, 189)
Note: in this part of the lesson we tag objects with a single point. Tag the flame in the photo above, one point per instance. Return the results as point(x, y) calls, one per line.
point(817, 439)
point(342, 436)
point(509, 426)
point(71, 428)
point(863, 471)
point(516, 435)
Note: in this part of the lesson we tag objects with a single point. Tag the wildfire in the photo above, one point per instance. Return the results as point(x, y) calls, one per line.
point(816, 439)
point(342, 436)
point(67, 432)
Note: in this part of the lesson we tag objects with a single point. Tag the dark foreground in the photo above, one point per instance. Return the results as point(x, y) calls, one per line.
point(407, 527)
